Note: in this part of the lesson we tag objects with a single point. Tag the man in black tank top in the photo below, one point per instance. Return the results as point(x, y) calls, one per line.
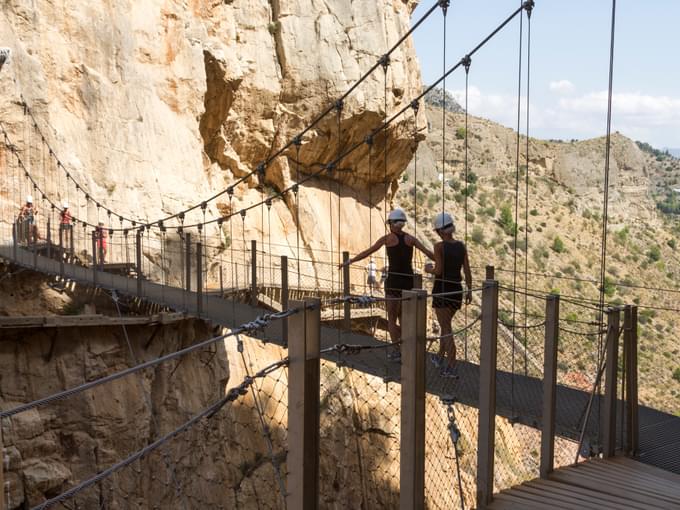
point(399, 246)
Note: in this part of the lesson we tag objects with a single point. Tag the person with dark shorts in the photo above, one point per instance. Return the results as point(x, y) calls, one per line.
point(399, 246)
point(450, 256)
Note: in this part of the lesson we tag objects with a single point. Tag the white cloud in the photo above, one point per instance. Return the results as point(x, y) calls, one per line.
point(561, 86)
point(654, 119)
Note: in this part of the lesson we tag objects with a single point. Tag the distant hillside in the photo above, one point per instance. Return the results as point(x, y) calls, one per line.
point(563, 225)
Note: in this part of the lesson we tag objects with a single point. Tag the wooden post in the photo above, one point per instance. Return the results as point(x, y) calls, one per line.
point(49, 238)
point(61, 251)
point(346, 289)
point(552, 328)
point(199, 279)
point(253, 272)
point(412, 449)
point(418, 281)
point(221, 282)
point(487, 394)
point(490, 272)
point(138, 261)
point(3, 495)
point(70, 236)
point(610, 386)
point(187, 258)
point(94, 258)
point(303, 406)
point(14, 240)
point(284, 297)
point(630, 324)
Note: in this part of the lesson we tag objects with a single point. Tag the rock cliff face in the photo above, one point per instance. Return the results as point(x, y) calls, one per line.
point(156, 105)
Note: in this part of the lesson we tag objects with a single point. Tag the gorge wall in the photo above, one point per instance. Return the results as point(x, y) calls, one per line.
point(156, 105)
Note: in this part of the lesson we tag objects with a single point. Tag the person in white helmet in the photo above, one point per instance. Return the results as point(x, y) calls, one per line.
point(372, 275)
point(450, 256)
point(65, 218)
point(399, 246)
point(27, 221)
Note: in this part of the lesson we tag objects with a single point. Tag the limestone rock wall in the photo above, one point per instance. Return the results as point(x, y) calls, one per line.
point(155, 105)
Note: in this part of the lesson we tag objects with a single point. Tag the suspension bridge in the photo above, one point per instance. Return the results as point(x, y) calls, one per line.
point(508, 369)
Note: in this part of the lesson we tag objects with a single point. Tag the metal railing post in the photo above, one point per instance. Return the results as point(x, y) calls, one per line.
point(14, 240)
point(187, 258)
point(94, 258)
point(199, 278)
point(552, 318)
point(303, 406)
point(412, 449)
point(61, 251)
point(490, 272)
point(49, 238)
point(138, 261)
point(610, 386)
point(2, 470)
point(284, 297)
point(487, 394)
point(418, 281)
point(630, 346)
point(253, 272)
point(347, 308)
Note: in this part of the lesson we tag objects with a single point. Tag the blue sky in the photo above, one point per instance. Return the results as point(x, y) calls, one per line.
point(569, 65)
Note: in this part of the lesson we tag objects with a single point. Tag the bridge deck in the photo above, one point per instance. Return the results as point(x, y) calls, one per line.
point(613, 484)
point(659, 431)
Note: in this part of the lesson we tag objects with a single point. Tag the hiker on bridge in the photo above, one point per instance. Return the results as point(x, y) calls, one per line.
point(65, 218)
point(450, 256)
point(372, 275)
point(399, 246)
point(26, 222)
point(100, 235)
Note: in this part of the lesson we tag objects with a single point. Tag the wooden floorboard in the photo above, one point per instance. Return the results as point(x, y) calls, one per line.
point(596, 484)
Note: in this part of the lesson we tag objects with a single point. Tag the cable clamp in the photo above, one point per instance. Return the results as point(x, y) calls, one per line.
point(384, 62)
point(466, 61)
point(444, 4)
point(529, 6)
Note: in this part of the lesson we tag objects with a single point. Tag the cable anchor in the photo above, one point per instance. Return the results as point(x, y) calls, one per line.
point(444, 4)
point(466, 61)
point(384, 62)
point(529, 6)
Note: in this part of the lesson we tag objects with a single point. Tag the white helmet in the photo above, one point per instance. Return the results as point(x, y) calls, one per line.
point(64, 205)
point(397, 215)
point(443, 221)
point(29, 199)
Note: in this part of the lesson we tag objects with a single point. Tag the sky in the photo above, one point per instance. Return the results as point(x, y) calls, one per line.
point(569, 65)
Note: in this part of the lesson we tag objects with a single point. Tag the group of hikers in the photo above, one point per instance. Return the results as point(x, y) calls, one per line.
point(27, 226)
point(450, 257)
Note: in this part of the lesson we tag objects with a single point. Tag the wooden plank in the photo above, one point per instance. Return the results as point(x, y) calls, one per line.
point(587, 481)
point(506, 500)
point(487, 394)
point(552, 316)
point(412, 448)
point(630, 479)
point(540, 497)
point(646, 468)
point(580, 494)
point(638, 475)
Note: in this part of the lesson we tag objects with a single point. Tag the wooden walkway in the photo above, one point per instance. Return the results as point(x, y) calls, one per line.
point(612, 484)
point(658, 430)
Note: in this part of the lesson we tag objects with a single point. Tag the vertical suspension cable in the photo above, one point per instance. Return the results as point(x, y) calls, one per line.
point(526, 200)
point(467, 61)
point(296, 191)
point(385, 62)
point(416, 106)
point(445, 6)
point(605, 212)
point(516, 225)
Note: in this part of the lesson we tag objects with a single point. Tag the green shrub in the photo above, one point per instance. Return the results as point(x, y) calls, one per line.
point(472, 177)
point(460, 133)
point(558, 245)
point(622, 235)
point(477, 235)
point(654, 253)
point(676, 374)
point(671, 244)
point(506, 222)
point(609, 286)
point(533, 212)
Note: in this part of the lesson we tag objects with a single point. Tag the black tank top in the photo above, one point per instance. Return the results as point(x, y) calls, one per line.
point(400, 256)
point(452, 259)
